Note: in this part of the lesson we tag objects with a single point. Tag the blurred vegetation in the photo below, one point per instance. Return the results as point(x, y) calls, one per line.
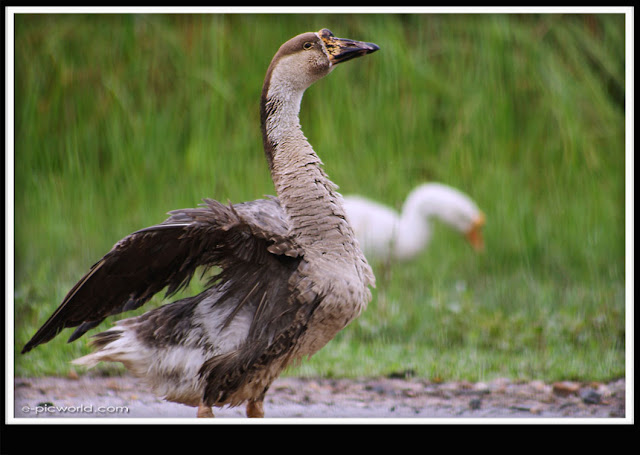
point(121, 118)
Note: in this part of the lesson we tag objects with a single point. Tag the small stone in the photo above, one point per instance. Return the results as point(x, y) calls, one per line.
point(538, 386)
point(412, 389)
point(465, 385)
point(113, 385)
point(482, 387)
point(590, 396)
point(475, 403)
point(565, 388)
point(604, 390)
point(536, 409)
point(500, 384)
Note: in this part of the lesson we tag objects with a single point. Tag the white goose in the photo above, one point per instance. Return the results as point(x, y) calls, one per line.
point(385, 234)
point(292, 274)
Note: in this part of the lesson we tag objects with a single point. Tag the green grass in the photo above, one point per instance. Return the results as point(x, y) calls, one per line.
point(120, 118)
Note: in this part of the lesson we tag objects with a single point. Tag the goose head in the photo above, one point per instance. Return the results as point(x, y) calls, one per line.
point(450, 206)
point(297, 64)
point(310, 56)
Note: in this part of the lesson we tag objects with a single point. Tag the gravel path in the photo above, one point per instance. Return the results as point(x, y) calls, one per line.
point(385, 398)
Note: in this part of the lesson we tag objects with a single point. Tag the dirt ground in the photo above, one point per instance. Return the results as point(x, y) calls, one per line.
point(296, 398)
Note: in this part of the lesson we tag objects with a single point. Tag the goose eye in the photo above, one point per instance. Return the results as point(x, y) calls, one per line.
point(307, 45)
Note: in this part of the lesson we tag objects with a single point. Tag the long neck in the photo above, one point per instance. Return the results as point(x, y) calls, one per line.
point(413, 231)
point(412, 234)
point(310, 201)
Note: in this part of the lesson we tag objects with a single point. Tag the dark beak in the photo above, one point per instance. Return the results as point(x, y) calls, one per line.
point(341, 49)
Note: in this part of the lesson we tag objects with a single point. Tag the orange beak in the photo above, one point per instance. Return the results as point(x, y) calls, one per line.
point(474, 235)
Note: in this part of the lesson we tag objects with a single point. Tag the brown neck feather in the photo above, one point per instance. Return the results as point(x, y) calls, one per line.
point(309, 198)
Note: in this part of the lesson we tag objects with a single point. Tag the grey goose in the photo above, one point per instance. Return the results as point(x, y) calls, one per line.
point(290, 272)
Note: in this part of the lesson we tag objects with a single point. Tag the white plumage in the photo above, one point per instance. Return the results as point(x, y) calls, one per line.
point(384, 233)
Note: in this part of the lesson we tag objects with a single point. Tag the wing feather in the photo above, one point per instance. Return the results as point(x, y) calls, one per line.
point(166, 256)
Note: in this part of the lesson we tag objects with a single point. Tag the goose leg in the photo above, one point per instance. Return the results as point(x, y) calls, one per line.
point(255, 409)
point(204, 411)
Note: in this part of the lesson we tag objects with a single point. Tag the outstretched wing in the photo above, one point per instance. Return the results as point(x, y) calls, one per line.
point(166, 256)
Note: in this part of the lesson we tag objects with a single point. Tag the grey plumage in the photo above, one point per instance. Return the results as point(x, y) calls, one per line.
point(290, 272)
